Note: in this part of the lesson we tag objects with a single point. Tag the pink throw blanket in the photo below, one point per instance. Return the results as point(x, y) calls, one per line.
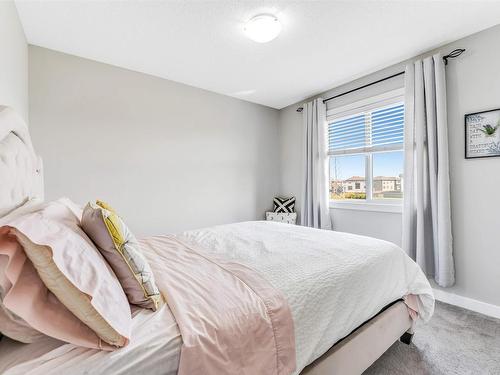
point(232, 321)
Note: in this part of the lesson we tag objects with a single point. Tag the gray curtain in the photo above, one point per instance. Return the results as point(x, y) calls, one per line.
point(426, 204)
point(315, 210)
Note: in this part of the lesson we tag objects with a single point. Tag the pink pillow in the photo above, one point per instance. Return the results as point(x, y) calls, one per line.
point(80, 266)
point(12, 325)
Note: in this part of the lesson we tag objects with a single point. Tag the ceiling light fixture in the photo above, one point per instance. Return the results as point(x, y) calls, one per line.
point(263, 28)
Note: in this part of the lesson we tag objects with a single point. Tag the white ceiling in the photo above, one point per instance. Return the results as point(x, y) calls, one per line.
point(201, 43)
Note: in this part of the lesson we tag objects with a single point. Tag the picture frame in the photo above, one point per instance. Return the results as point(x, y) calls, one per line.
point(482, 134)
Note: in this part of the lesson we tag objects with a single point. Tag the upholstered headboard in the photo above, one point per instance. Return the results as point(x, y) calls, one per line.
point(21, 177)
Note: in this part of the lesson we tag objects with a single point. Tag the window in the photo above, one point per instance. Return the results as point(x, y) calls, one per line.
point(365, 144)
point(387, 175)
point(345, 172)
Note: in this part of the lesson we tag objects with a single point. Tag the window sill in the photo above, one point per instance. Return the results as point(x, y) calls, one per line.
point(368, 206)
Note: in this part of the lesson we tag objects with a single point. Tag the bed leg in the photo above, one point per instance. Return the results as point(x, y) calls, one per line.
point(406, 338)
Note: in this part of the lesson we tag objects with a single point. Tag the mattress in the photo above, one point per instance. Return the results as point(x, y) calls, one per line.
point(333, 282)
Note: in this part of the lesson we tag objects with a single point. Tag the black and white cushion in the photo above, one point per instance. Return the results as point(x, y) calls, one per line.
point(284, 204)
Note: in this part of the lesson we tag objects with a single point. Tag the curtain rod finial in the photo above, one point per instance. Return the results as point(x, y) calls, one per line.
point(455, 53)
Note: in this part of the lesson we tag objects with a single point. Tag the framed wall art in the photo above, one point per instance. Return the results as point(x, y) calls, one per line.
point(482, 134)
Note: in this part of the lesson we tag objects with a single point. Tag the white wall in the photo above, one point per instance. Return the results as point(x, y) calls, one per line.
point(473, 84)
point(168, 156)
point(383, 225)
point(13, 60)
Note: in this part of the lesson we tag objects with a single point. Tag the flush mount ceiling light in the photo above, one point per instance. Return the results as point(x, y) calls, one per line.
point(263, 28)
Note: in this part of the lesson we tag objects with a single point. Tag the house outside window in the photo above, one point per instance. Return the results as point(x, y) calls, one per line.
point(365, 141)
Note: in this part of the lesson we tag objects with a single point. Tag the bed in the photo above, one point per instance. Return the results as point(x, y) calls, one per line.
point(351, 297)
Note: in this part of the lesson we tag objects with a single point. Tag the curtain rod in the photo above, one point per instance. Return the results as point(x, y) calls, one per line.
point(455, 53)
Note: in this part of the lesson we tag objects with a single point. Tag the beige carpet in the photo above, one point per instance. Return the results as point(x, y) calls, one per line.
point(454, 342)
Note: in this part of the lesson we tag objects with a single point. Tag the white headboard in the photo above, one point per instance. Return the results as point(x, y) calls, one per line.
point(21, 177)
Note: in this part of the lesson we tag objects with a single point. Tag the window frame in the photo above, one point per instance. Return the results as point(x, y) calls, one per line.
point(365, 105)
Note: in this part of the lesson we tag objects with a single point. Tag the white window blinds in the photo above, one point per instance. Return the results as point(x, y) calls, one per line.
point(379, 129)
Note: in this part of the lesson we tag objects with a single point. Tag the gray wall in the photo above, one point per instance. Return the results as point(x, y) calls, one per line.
point(13, 60)
point(473, 83)
point(168, 156)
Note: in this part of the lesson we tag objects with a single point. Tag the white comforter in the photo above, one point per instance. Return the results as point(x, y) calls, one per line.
point(333, 282)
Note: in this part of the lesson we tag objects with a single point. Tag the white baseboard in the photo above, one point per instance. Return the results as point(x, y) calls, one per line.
point(467, 303)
